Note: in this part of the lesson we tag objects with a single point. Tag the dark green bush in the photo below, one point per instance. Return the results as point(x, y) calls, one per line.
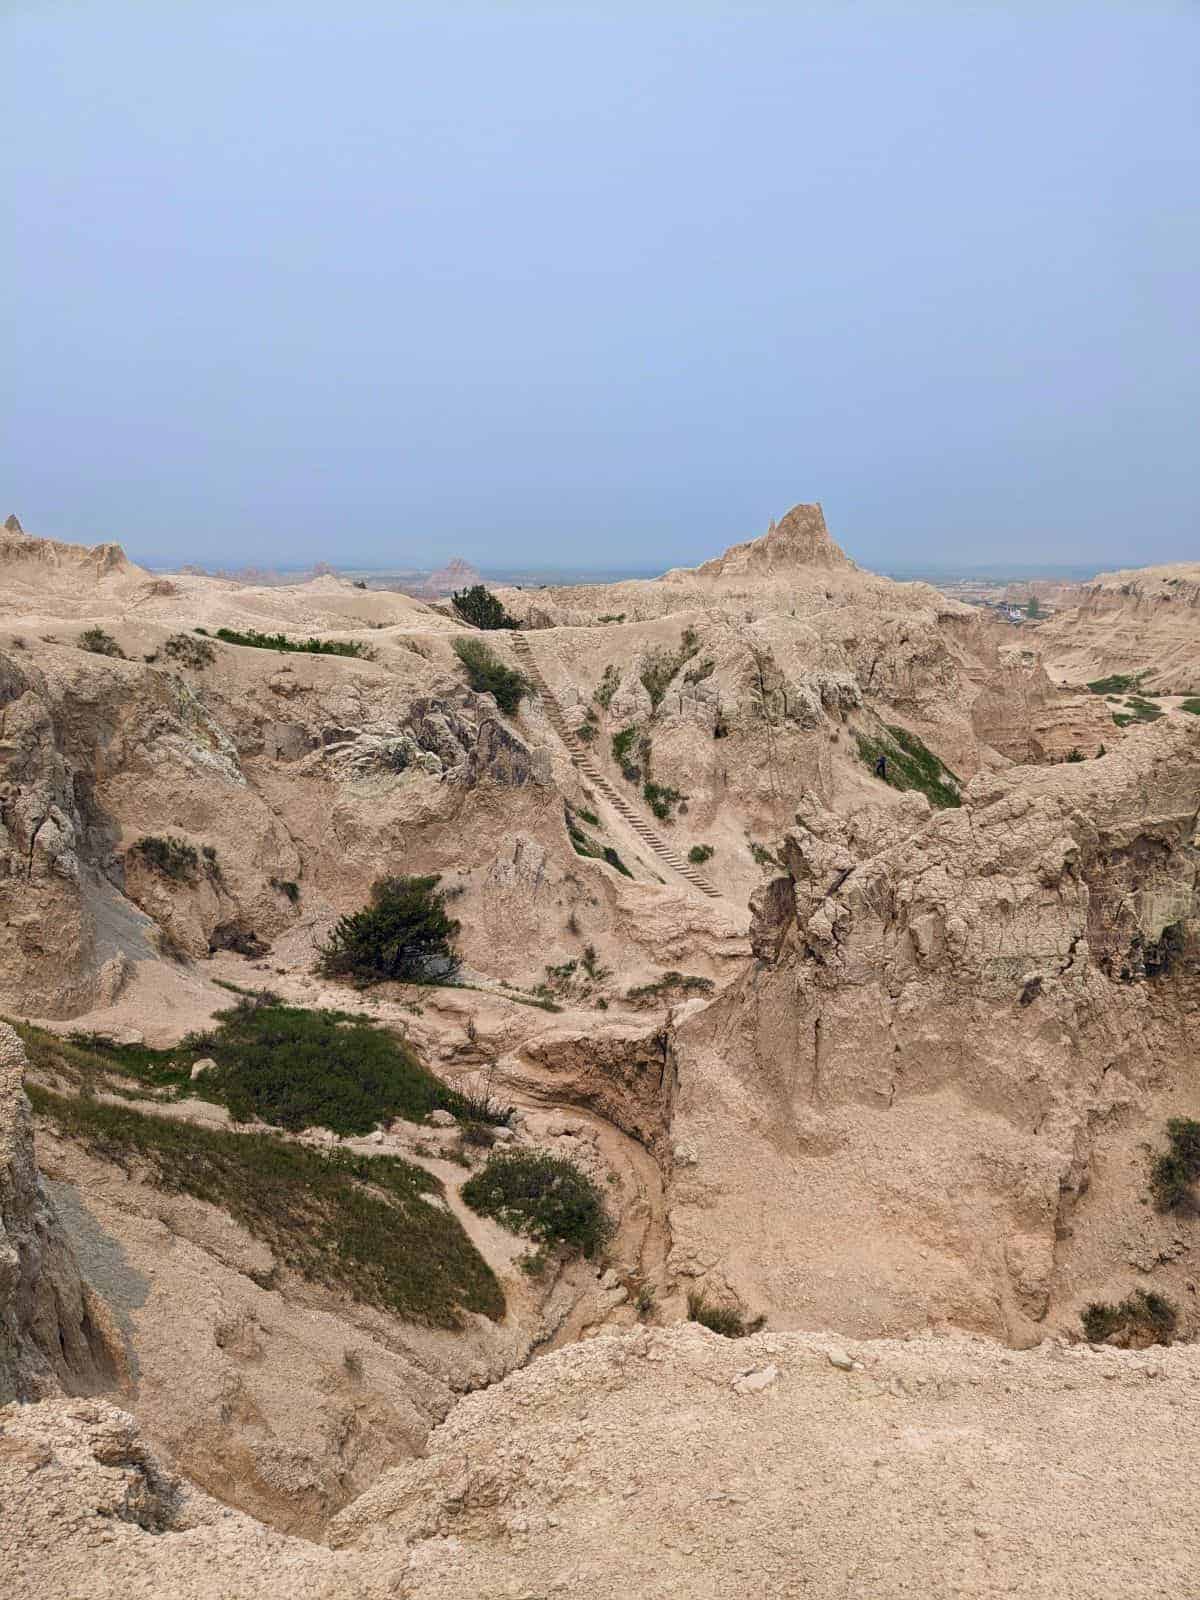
point(403, 935)
point(1142, 1316)
point(720, 1319)
point(173, 858)
point(100, 643)
point(355, 1223)
point(310, 647)
point(622, 745)
point(288, 887)
point(661, 799)
point(549, 1199)
point(296, 1069)
point(700, 853)
point(1192, 704)
point(488, 675)
point(671, 983)
point(479, 606)
point(1115, 683)
point(1172, 1175)
point(190, 651)
point(607, 687)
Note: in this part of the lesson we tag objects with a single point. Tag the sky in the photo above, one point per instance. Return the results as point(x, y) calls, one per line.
point(602, 286)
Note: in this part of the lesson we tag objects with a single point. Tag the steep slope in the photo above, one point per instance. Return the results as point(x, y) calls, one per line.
point(1144, 622)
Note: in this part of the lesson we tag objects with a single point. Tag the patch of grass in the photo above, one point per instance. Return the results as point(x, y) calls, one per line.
point(479, 606)
point(622, 745)
point(671, 983)
point(488, 675)
point(296, 1068)
point(92, 1061)
point(700, 853)
point(589, 817)
point(612, 617)
point(308, 647)
point(1192, 704)
point(1116, 682)
point(763, 856)
point(1173, 1174)
point(593, 966)
point(662, 665)
point(403, 934)
point(543, 1196)
point(100, 643)
point(584, 845)
point(910, 764)
point(189, 651)
point(360, 1224)
point(720, 1319)
point(1144, 1317)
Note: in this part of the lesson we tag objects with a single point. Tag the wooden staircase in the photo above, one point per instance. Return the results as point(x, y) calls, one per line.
point(590, 767)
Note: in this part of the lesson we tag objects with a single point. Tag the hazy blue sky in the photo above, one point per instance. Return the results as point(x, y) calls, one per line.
point(604, 284)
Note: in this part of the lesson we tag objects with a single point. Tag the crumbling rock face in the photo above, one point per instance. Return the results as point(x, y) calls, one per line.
point(55, 1335)
point(942, 1032)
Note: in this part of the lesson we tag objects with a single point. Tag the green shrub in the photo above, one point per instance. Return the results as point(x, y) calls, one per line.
point(1172, 1175)
point(296, 1069)
point(310, 647)
point(720, 1319)
point(661, 799)
point(172, 858)
point(479, 606)
point(288, 887)
point(607, 687)
point(100, 643)
point(1075, 754)
point(662, 665)
point(911, 765)
point(488, 675)
point(404, 934)
point(359, 1224)
point(700, 853)
point(1192, 704)
point(669, 984)
point(612, 617)
point(584, 845)
point(543, 1196)
point(1116, 683)
point(763, 856)
point(190, 651)
point(1142, 1316)
point(622, 745)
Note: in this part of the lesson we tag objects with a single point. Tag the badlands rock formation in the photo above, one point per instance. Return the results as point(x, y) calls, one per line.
point(895, 1089)
point(1146, 622)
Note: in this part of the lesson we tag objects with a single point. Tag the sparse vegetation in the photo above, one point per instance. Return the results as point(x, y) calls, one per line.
point(100, 643)
point(1192, 704)
point(661, 799)
point(592, 965)
point(1144, 1317)
point(1173, 1175)
point(1075, 754)
point(189, 651)
point(584, 845)
point(479, 606)
point(763, 857)
point(700, 853)
point(662, 665)
point(288, 887)
point(697, 674)
point(622, 748)
point(724, 1320)
point(612, 617)
point(488, 675)
point(171, 858)
point(543, 1196)
point(607, 687)
point(910, 764)
point(404, 934)
point(309, 647)
point(670, 984)
point(355, 1223)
